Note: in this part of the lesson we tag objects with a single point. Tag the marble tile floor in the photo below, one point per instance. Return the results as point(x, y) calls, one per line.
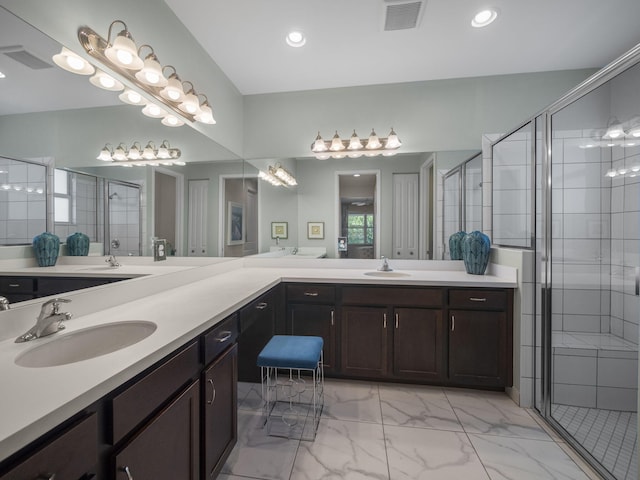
point(397, 432)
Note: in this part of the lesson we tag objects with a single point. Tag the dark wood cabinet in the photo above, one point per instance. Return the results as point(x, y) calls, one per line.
point(364, 341)
point(72, 454)
point(19, 288)
point(219, 411)
point(418, 344)
point(480, 343)
point(311, 310)
point(257, 326)
point(167, 447)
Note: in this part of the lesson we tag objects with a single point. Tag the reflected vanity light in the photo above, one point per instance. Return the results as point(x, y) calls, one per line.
point(138, 156)
point(278, 176)
point(143, 78)
point(354, 147)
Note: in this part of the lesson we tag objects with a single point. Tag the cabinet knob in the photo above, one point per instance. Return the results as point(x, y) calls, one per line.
point(213, 391)
point(128, 472)
point(262, 305)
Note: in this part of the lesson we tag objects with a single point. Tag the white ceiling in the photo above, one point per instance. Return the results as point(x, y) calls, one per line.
point(346, 45)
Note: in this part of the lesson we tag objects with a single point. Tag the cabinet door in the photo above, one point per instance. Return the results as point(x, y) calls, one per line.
point(319, 321)
point(417, 344)
point(365, 342)
point(166, 448)
point(257, 326)
point(478, 348)
point(220, 410)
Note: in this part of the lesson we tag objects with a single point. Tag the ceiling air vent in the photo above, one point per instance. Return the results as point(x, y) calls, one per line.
point(402, 15)
point(19, 54)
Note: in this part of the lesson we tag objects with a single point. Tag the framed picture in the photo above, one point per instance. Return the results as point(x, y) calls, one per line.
point(279, 230)
point(235, 223)
point(315, 230)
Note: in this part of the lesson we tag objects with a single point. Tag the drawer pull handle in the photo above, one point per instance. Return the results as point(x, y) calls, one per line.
point(46, 476)
point(333, 321)
point(477, 299)
point(262, 305)
point(311, 294)
point(453, 323)
point(224, 336)
point(384, 320)
point(128, 472)
point(15, 285)
point(397, 320)
point(213, 391)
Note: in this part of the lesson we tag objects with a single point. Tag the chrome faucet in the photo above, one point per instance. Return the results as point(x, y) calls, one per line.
point(112, 261)
point(385, 265)
point(294, 251)
point(4, 304)
point(49, 321)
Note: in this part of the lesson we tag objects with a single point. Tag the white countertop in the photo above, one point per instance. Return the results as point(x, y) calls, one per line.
point(183, 302)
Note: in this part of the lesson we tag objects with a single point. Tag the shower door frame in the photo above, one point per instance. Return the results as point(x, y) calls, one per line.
point(107, 217)
point(628, 60)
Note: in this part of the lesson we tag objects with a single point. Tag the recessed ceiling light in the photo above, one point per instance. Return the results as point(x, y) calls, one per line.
point(484, 17)
point(296, 39)
point(356, 174)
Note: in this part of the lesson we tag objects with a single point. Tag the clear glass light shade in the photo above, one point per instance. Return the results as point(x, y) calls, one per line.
point(173, 91)
point(154, 111)
point(319, 145)
point(373, 141)
point(172, 121)
point(105, 155)
point(205, 115)
point(73, 63)
point(336, 143)
point(106, 82)
point(354, 142)
point(123, 52)
point(392, 140)
point(151, 72)
point(132, 98)
point(190, 103)
point(614, 130)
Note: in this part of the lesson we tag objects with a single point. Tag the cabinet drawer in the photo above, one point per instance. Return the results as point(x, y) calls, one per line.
point(478, 298)
point(137, 402)
point(311, 293)
point(72, 454)
point(418, 297)
point(17, 285)
point(219, 338)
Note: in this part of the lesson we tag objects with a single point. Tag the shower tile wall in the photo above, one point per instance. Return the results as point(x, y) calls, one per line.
point(124, 218)
point(84, 194)
point(22, 201)
point(594, 309)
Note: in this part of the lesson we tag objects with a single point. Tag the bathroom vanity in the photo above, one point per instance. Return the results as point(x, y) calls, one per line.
point(168, 403)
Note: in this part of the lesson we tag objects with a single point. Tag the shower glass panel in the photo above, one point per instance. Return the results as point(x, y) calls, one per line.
point(594, 254)
point(124, 226)
point(512, 180)
point(452, 218)
point(473, 194)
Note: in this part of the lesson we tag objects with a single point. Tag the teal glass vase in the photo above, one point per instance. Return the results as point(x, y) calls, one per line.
point(46, 247)
point(455, 245)
point(78, 245)
point(475, 252)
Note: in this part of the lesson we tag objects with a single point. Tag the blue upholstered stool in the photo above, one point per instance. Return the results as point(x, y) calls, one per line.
point(296, 411)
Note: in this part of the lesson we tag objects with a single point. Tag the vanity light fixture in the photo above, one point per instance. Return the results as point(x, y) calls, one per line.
point(145, 80)
point(614, 129)
point(278, 176)
point(138, 156)
point(354, 147)
point(2, 75)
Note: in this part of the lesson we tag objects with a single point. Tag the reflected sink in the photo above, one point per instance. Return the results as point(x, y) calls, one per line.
point(100, 268)
point(84, 344)
point(380, 273)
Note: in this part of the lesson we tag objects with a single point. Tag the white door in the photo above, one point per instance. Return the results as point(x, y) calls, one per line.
point(406, 231)
point(198, 199)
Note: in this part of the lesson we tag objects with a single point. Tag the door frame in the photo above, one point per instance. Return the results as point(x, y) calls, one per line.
point(179, 206)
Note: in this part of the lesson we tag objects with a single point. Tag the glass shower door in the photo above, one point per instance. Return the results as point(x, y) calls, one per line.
point(123, 236)
point(594, 252)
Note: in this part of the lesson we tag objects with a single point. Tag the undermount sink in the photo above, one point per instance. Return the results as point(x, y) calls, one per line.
point(87, 343)
point(382, 273)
